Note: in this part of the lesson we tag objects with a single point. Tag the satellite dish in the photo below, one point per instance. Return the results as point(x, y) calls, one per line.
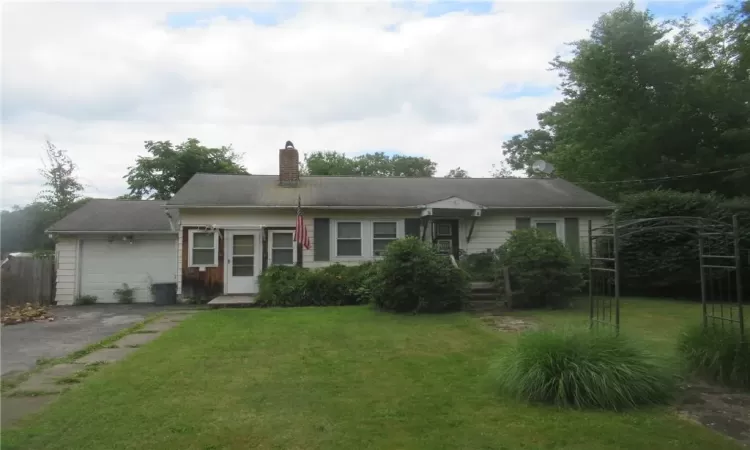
point(543, 166)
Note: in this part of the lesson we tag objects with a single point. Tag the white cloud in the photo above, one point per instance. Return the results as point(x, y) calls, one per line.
point(99, 79)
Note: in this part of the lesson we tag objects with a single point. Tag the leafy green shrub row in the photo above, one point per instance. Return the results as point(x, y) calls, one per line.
point(333, 285)
point(414, 277)
point(582, 369)
point(716, 354)
point(543, 272)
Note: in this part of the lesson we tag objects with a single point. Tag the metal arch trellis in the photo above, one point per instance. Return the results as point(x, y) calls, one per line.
point(719, 256)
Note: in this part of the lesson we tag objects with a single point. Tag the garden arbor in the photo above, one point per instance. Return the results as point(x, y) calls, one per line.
point(719, 260)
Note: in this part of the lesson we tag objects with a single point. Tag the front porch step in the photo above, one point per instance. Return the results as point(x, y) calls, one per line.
point(485, 299)
point(232, 301)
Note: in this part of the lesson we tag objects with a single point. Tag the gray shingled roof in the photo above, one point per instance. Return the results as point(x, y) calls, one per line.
point(264, 190)
point(105, 215)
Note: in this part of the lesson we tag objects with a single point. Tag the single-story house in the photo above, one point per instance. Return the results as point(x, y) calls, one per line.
point(219, 232)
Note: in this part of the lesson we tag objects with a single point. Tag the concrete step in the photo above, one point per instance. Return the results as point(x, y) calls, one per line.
point(481, 285)
point(484, 296)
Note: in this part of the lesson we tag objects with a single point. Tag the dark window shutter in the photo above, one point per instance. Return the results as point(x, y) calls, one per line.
point(411, 227)
point(322, 239)
point(572, 234)
point(523, 222)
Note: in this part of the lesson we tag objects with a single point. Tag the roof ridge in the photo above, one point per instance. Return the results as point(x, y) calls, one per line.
point(376, 177)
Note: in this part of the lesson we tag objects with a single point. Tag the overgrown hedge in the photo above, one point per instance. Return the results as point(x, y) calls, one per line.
point(414, 277)
point(665, 262)
point(542, 269)
point(333, 285)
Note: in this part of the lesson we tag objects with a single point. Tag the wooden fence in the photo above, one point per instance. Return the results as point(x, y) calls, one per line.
point(27, 280)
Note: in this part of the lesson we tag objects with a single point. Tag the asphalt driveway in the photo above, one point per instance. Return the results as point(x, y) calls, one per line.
point(74, 327)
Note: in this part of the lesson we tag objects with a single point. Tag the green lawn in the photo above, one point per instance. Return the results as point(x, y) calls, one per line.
point(339, 378)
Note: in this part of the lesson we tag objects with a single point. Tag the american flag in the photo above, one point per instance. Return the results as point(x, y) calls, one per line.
point(300, 231)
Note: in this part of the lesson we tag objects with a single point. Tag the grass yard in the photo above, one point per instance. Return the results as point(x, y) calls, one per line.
point(342, 378)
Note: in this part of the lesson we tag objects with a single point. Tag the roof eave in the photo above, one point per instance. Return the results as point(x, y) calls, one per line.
point(108, 232)
point(612, 207)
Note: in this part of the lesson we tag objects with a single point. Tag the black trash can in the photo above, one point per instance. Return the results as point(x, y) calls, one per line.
point(164, 293)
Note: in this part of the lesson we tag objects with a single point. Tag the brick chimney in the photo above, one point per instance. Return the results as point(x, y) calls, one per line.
point(289, 165)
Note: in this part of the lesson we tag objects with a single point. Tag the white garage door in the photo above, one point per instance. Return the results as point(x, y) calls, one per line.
point(105, 266)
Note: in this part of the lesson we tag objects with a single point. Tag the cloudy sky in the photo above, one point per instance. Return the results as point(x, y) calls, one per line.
point(445, 80)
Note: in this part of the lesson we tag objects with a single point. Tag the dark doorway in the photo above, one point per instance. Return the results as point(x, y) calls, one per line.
point(445, 236)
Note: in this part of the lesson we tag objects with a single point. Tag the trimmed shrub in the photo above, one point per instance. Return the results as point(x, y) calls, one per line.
point(336, 284)
point(283, 286)
point(716, 354)
point(582, 369)
point(362, 278)
point(85, 300)
point(542, 269)
point(414, 277)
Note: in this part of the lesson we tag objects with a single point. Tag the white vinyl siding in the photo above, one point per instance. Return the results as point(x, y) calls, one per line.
point(491, 230)
point(65, 284)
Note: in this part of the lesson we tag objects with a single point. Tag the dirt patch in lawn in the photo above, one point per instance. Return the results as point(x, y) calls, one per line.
point(506, 323)
point(724, 410)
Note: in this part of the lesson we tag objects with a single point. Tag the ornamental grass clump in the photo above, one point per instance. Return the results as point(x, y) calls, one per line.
point(583, 369)
point(717, 354)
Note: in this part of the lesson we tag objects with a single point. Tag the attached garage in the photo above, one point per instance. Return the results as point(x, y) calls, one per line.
point(108, 243)
point(106, 265)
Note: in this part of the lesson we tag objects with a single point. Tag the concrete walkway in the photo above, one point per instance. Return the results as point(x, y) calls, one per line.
point(44, 386)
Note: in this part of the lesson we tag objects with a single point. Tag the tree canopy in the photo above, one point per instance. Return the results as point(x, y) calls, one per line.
point(457, 173)
point(169, 167)
point(61, 186)
point(23, 228)
point(371, 164)
point(645, 99)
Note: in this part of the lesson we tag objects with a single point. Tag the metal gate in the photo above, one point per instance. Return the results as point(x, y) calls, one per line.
point(719, 257)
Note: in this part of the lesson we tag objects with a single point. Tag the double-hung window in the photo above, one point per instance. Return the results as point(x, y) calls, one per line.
point(383, 233)
point(204, 248)
point(283, 248)
point(554, 226)
point(348, 239)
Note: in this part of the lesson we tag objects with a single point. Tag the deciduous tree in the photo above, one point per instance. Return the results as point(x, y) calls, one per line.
point(169, 167)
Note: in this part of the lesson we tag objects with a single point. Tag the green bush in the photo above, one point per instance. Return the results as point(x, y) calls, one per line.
point(125, 294)
point(85, 300)
point(582, 369)
point(662, 261)
point(283, 286)
point(480, 266)
point(336, 284)
point(542, 269)
point(716, 354)
point(414, 277)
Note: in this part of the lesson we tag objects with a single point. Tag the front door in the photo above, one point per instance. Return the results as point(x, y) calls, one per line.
point(243, 261)
point(445, 236)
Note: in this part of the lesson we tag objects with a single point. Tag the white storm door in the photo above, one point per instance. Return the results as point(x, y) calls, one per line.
point(243, 250)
